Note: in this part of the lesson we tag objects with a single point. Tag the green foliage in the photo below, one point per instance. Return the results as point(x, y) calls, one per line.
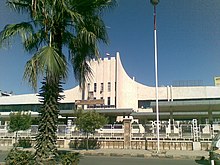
point(24, 142)
point(53, 25)
point(69, 158)
point(82, 144)
point(72, 24)
point(89, 121)
point(19, 121)
point(47, 59)
point(19, 157)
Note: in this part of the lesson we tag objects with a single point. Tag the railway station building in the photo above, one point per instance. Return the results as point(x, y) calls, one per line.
point(112, 92)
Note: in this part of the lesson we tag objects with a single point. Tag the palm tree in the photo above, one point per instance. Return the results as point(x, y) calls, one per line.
point(54, 25)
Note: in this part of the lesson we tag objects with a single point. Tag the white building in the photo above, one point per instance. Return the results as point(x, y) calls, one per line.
point(111, 91)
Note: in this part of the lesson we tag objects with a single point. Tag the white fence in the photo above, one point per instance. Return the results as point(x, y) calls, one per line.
point(147, 131)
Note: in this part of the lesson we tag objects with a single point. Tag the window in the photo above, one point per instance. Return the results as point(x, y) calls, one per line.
point(109, 86)
point(115, 102)
point(115, 86)
point(90, 95)
point(102, 87)
point(102, 105)
point(88, 86)
point(95, 87)
point(109, 101)
point(94, 104)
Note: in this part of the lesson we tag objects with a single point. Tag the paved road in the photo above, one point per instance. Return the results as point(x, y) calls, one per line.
point(137, 161)
point(111, 160)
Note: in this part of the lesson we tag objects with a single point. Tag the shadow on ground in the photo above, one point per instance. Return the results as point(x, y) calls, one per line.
point(202, 161)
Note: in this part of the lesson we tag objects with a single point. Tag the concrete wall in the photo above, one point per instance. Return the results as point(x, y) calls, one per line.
point(119, 144)
point(103, 71)
point(126, 88)
point(148, 145)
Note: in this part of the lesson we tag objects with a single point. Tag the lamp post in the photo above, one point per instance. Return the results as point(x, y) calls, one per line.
point(154, 3)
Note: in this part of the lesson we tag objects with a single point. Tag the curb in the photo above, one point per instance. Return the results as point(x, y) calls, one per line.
point(150, 155)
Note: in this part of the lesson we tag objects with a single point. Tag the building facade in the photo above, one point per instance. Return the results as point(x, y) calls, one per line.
point(111, 91)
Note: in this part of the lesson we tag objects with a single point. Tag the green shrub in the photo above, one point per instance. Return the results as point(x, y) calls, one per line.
point(24, 142)
point(81, 144)
point(19, 157)
point(69, 158)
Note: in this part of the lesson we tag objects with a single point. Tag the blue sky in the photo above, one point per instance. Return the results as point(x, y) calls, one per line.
point(188, 43)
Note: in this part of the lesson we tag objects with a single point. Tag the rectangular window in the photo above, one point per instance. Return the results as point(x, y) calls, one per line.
point(102, 105)
point(88, 86)
point(115, 101)
point(109, 101)
point(109, 86)
point(115, 86)
point(102, 87)
point(95, 87)
point(94, 104)
point(90, 95)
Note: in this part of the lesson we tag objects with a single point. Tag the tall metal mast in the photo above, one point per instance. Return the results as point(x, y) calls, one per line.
point(154, 3)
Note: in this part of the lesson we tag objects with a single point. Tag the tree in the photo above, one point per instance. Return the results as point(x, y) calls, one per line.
point(19, 121)
point(89, 121)
point(73, 24)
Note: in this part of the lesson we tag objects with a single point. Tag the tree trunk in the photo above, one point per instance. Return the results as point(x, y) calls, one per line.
point(46, 138)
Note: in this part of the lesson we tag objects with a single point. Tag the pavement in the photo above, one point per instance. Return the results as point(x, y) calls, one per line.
point(170, 154)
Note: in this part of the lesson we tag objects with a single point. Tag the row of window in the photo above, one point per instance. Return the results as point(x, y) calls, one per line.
point(108, 99)
point(33, 107)
point(101, 87)
point(103, 106)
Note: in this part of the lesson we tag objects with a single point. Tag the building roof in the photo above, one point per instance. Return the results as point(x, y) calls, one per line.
point(188, 105)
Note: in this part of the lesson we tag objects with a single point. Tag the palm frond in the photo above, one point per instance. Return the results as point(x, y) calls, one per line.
point(96, 25)
point(105, 4)
point(68, 38)
point(19, 5)
point(23, 29)
point(54, 63)
point(87, 37)
point(31, 72)
point(80, 57)
point(45, 60)
point(81, 69)
point(33, 42)
point(74, 15)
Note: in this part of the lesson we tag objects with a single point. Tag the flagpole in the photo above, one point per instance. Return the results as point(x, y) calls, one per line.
point(154, 3)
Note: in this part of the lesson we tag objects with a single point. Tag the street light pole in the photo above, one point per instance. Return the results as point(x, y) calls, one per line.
point(154, 3)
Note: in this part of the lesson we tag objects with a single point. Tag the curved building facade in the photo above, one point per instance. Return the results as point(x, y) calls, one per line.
point(111, 91)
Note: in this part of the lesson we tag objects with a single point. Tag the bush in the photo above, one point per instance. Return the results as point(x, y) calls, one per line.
point(81, 144)
point(24, 142)
point(69, 158)
point(19, 157)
